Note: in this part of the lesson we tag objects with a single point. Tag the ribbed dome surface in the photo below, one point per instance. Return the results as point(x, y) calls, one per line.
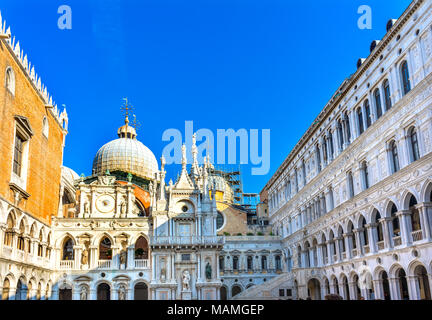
point(126, 155)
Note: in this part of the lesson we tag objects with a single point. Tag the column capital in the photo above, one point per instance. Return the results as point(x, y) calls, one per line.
point(403, 213)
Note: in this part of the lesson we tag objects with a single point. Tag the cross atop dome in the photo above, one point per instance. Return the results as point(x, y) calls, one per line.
point(127, 131)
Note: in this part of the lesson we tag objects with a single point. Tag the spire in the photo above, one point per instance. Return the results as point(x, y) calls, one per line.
point(184, 159)
point(195, 166)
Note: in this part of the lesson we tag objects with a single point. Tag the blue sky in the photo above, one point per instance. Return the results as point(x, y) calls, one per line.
point(249, 64)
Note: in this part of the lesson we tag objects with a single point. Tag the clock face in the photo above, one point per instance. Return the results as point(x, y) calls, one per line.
point(105, 203)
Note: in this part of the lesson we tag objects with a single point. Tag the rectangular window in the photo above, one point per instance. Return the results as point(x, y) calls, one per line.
point(18, 154)
point(288, 292)
point(281, 292)
point(185, 257)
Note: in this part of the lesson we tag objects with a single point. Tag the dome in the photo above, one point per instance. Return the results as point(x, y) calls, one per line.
point(223, 186)
point(126, 154)
point(69, 175)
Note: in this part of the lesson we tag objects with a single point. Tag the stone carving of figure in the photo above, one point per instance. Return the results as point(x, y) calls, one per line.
point(86, 207)
point(83, 294)
point(186, 280)
point(123, 255)
point(84, 257)
point(208, 271)
point(123, 208)
point(122, 293)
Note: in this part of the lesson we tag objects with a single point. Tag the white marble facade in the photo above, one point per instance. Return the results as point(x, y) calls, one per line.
point(353, 199)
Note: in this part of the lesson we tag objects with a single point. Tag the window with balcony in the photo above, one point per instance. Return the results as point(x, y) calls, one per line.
point(68, 251)
point(105, 251)
point(20, 243)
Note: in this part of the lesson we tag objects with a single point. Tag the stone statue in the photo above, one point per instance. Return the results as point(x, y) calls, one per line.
point(86, 207)
point(83, 294)
point(208, 271)
point(84, 257)
point(123, 208)
point(123, 255)
point(122, 293)
point(186, 280)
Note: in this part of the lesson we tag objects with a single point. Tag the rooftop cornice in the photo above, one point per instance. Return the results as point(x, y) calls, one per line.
point(28, 70)
point(344, 89)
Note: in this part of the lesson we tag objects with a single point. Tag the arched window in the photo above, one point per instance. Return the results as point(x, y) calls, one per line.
point(360, 120)
point(40, 247)
point(141, 249)
point(6, 288)
point(406, 85)
point(250, 263)
point(415, 216)
point(20, 289)
point(10, 80)
point(413, 140)
point(324, 148)
point(365, 233)
point(235, 290)
point(221, 263)
point(45, 127)
point(331, 197)
point(365, 175)
point(350, 185)
point(377, 96)
point(318, 157)
point(68, 251)
point(141, 291)
point(10, 224)
point(380, 234)
point(235, 263)
point(347, 125)
point(278, 263)
point(105, 251)
point(103, 291)
point(264, 262)
point(368, 114)
point(340, 134)
point(20, 243)
point(387, 95)
point(394, 157)
point(395, 221)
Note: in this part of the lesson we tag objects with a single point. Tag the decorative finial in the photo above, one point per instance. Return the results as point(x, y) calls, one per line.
point(107, 172)
point(129, 177)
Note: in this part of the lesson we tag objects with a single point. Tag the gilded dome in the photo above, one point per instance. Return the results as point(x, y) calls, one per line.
point(126, 154)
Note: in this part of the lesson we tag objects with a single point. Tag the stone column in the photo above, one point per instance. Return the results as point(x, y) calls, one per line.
point(405, 225)
point(329, 253)
point(394, 289)
point(372, 234)
point(93, 257)
point(348, 246)
point(386, 234)
point(77, 256)
point(424, 220)
point(130, 260)
point(338, 249)
point(320, 255)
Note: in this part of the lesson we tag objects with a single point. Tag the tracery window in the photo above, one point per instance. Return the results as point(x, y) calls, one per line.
point(377, 96)
point(387, 95)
